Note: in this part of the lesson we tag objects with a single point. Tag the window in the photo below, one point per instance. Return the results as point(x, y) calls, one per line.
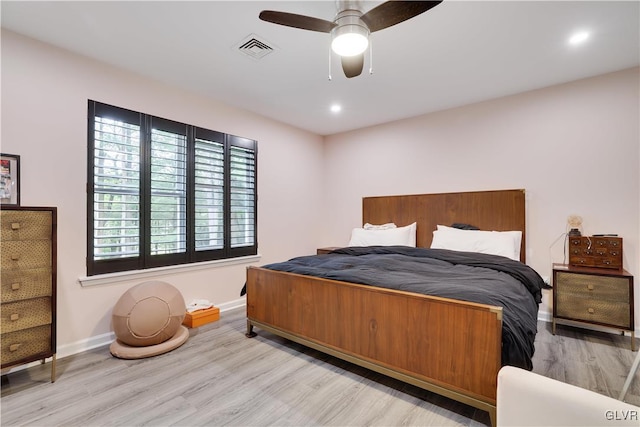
point(163, 193)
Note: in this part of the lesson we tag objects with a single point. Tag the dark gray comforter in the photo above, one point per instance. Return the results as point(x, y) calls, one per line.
point(482, 278)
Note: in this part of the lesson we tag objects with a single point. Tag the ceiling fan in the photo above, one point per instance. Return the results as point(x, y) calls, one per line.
point(350, 28)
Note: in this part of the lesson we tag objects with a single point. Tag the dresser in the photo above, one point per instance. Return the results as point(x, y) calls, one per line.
point(28, 285)
point(593, 296)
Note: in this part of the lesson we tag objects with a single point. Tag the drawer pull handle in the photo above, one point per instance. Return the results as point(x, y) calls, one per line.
point(590, 287)
point(15, 286)
point(14, 347)
point(15, 225)
point(614, 243)
point(606, 261)
point(591, 310)
point(15, 316)
point(15, 257)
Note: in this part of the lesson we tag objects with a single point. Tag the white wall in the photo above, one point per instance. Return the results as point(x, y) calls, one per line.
point(44, 120)
point(574, 148)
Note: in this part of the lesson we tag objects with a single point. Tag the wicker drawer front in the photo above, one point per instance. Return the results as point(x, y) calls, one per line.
point(25, 225)
point(599, 287)
point(25, 254)
point(25, 314)
point(25, 343)
point(24, 284)
point(593, 310)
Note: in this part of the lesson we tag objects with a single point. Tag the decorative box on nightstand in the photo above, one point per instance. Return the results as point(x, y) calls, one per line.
point(595, 251)
point(595, 296)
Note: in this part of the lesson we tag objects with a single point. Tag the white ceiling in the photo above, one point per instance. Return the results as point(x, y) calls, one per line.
point(455, 54)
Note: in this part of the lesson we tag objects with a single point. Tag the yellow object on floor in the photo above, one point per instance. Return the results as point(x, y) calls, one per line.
point(201, 317)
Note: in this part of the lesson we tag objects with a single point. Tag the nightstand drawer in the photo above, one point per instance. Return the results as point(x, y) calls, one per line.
point(25, 314)
point(608, 262)
point(593, 310)
point(608, 288)
point(25, 254)
point(25, 225)
point(25, 343)
point(24, 284)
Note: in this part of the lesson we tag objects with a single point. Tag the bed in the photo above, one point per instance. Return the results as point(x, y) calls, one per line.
point(450, 346)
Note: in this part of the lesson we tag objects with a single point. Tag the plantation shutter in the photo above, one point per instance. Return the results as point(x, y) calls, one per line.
point(243, 196)
point(163, 193)
point(209, 191)
point(168, 188)
point(115, 223)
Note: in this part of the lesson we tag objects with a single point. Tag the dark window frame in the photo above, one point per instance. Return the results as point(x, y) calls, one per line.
point(145, 259)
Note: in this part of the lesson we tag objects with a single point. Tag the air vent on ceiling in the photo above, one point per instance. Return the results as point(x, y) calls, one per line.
point(255, 47)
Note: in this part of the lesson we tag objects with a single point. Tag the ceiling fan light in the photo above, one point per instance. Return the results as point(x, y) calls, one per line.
point(350, 40)
point(579, 38)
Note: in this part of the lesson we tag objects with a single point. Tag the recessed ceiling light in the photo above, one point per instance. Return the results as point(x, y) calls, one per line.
point(578, 38)
point(335, 108)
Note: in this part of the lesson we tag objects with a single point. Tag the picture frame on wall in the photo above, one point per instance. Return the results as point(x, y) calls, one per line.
point(9, 179)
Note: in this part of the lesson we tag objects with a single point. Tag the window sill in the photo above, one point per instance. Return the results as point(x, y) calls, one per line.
point(111, 278)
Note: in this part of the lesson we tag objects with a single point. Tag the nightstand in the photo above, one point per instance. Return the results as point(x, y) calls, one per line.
point(326, 250)
point(595, 296)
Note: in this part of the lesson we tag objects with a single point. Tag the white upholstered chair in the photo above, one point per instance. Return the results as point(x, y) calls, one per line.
point(633, 373)
point(528, 399)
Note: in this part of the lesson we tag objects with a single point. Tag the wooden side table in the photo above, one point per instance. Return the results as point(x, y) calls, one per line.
point(326, 250)
point(596, 296)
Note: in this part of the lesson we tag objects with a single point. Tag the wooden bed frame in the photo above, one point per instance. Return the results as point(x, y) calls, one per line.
point(446, 346)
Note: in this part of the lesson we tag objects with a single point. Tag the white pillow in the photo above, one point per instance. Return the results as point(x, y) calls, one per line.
point(386, 226)
point(515, 235)
point(503, 243)
point(399, 236)
point(517, 241)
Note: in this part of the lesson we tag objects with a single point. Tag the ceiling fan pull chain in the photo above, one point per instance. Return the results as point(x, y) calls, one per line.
point(329, 63)
point(370, 57)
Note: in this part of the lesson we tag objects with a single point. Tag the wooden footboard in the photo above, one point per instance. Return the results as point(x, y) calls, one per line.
point(447, 346)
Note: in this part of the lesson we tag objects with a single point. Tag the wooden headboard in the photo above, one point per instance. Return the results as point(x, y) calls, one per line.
point(501, 210)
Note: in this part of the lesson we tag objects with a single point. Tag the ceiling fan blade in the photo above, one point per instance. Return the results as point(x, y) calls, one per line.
point(352, 65)
point(297, 21)
point(394, 12)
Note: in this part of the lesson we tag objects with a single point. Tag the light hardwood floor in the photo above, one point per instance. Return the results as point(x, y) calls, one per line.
point(220, 377)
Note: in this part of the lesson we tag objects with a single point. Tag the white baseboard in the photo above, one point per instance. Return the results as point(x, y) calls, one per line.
point(90, 343)
point(226, 306)
point(85, 345)
point(545, 316)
